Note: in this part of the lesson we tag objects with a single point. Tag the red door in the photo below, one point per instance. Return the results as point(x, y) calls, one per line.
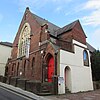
point(50, 69)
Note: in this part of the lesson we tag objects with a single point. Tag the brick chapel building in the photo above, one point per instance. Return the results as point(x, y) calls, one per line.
point(42, 50)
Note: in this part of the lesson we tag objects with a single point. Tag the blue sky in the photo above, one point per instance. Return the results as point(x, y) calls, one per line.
point(59, 12)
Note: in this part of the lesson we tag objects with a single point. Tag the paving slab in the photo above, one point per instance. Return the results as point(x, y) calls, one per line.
point(90, 95)
point(87, 98)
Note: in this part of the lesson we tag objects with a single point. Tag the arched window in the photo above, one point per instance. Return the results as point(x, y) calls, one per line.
point(24, 66)
point(24, 40)
point(33, 65)
point(33, 62)
point(17, 68)
point(6, 71)
point(85, 58)
point(13, 68)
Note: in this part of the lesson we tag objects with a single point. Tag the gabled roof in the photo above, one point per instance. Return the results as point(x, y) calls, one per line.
point(6, 44)
point(51, 27)
point(66, 28)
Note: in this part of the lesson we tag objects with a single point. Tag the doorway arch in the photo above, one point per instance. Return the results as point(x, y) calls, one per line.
point(50, 69)
point(67, 77)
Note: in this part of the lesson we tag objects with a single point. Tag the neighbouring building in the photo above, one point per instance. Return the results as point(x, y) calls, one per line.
point(42, 50)
point(5, 53)
point(91, 49)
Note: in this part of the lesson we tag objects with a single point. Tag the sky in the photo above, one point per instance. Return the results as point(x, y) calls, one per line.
point(59, 12)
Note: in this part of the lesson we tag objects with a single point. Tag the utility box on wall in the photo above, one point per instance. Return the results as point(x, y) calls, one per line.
point(61, 85)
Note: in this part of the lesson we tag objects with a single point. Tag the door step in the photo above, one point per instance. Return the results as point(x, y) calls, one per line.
point(45, 89)
point(45, 94)
point(67, 90)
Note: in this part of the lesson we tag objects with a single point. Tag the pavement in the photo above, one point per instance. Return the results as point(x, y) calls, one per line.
point(22, 92)
point(91, 95)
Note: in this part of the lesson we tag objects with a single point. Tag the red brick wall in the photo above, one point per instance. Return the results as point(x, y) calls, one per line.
point(35, 29)
point(66, 36)
point(79, 36)
point(36, 37)
point(76, 33)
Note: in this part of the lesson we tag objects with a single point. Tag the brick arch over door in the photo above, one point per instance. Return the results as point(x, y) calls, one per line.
point(50, 67)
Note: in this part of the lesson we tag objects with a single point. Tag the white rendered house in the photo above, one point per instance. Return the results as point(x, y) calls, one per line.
point(5, 53)
point(75, 70)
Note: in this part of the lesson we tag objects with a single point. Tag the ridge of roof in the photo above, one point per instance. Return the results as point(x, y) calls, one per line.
point(51, 27)
point(6, 44)
point(66, 28)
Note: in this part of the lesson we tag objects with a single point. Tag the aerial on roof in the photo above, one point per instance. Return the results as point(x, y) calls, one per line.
point(6, 44)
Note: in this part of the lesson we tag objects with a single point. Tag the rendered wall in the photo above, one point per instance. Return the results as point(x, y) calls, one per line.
point(79, 76)
point(5, 53)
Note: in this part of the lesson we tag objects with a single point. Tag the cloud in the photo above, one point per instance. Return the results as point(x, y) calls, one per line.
point(58, 9)
point(94, 17)
point(38, 4)
point(96, 38)
point(31, 3)
point(92, 4)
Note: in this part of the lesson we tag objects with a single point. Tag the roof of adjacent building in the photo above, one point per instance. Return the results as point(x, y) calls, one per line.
point(67, 28)
point(6, 44)
point(91, 49)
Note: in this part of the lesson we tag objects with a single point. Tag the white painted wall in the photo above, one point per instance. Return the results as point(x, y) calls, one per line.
point(79, 76)
point(5, 53)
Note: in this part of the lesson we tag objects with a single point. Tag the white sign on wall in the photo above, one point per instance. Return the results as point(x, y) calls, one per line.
point(60, 80)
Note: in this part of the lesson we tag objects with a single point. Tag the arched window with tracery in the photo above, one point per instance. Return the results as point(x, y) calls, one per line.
point(24, 41)
point(85, 58)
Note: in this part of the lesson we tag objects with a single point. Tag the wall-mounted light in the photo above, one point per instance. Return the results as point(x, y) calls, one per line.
point(20, 73)
point(39, 43)
point(41, 51)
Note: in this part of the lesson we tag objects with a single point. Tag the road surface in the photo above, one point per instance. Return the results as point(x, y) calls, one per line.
point(6, 94)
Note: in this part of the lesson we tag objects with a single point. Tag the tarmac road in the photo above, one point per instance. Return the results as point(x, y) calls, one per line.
point(6, 94)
